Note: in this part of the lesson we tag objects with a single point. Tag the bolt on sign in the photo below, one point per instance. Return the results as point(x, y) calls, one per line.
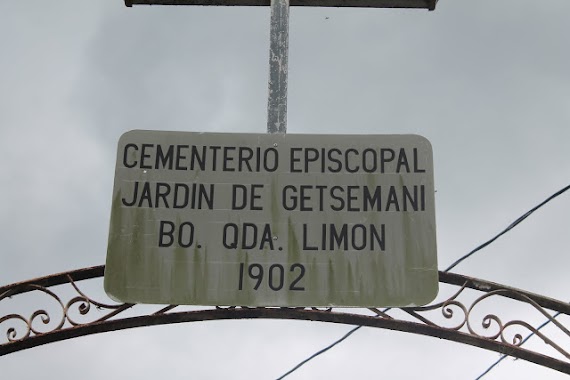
point(272, 220)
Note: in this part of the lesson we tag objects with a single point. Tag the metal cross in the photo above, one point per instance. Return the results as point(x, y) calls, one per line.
point(279, 40)
point(278, 62)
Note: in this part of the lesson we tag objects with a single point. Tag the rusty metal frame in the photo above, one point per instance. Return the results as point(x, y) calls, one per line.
point(455, 318)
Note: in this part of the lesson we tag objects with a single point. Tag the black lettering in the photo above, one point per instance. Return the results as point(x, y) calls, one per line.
point(294, 160)
point(257, 275)
point(145, 195)
point(164, 160)
point(402, 161)
point(372, 202)
point(254, 197)
point(126, 162)
point(296, 281)
point(335, 160)
point(239, 197)
point(240, 282)
point(257, 159)
point(164, 232)
point(244, 156)
point(311, 155)
point(206, 195)
point(194, 187)
point(181, 190)
point(135, 194)
point(289, 202)
point(369, 160)
point(416, 164)
point(228, 159)
point(306, 246)
point(410, 198)
point(321, 189)
point(272, 275)
point(338, 198)
point(359, 246)
point(266, 238)
point(245, 233)
point(337, 239)
point(189, 227)
point(144, 156)
point(347, 161)
point(162, 191)
point(180, 157)
point(386, 155)
point(275, 154)
point(304, 198)
point(392, 199)
point(230, 236)
point(198, 158)
point(380, 239)
point(352, 198)
point(214, 150)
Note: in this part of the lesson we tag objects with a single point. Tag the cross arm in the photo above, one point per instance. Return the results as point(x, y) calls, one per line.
point(418, 4)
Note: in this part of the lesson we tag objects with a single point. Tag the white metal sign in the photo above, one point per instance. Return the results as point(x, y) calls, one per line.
point(272, 220)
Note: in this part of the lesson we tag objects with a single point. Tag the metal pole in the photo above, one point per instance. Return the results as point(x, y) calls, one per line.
point(278, 67)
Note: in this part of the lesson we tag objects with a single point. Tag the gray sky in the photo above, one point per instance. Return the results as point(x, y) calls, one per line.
point(486, 81)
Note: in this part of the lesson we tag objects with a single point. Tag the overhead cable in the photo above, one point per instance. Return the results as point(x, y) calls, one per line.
point(453, 265)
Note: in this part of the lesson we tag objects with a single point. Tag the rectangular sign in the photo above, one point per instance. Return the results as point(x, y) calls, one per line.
point(272, 220)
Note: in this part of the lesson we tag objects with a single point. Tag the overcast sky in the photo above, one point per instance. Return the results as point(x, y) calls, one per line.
point(486, 81)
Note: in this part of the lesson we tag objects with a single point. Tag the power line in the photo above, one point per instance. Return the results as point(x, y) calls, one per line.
point(510, 227)
point(320, 352)
point(453, 265)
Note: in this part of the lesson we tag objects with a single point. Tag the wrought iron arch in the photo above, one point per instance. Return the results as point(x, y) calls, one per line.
point(453, 318)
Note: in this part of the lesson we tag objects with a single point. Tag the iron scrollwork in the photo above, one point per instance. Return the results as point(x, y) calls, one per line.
point(43, 321)
point(456, 317)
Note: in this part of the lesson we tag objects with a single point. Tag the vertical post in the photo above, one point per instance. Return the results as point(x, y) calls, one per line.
point(278, 67)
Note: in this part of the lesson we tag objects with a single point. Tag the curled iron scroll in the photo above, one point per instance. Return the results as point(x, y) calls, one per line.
point(76, 314)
